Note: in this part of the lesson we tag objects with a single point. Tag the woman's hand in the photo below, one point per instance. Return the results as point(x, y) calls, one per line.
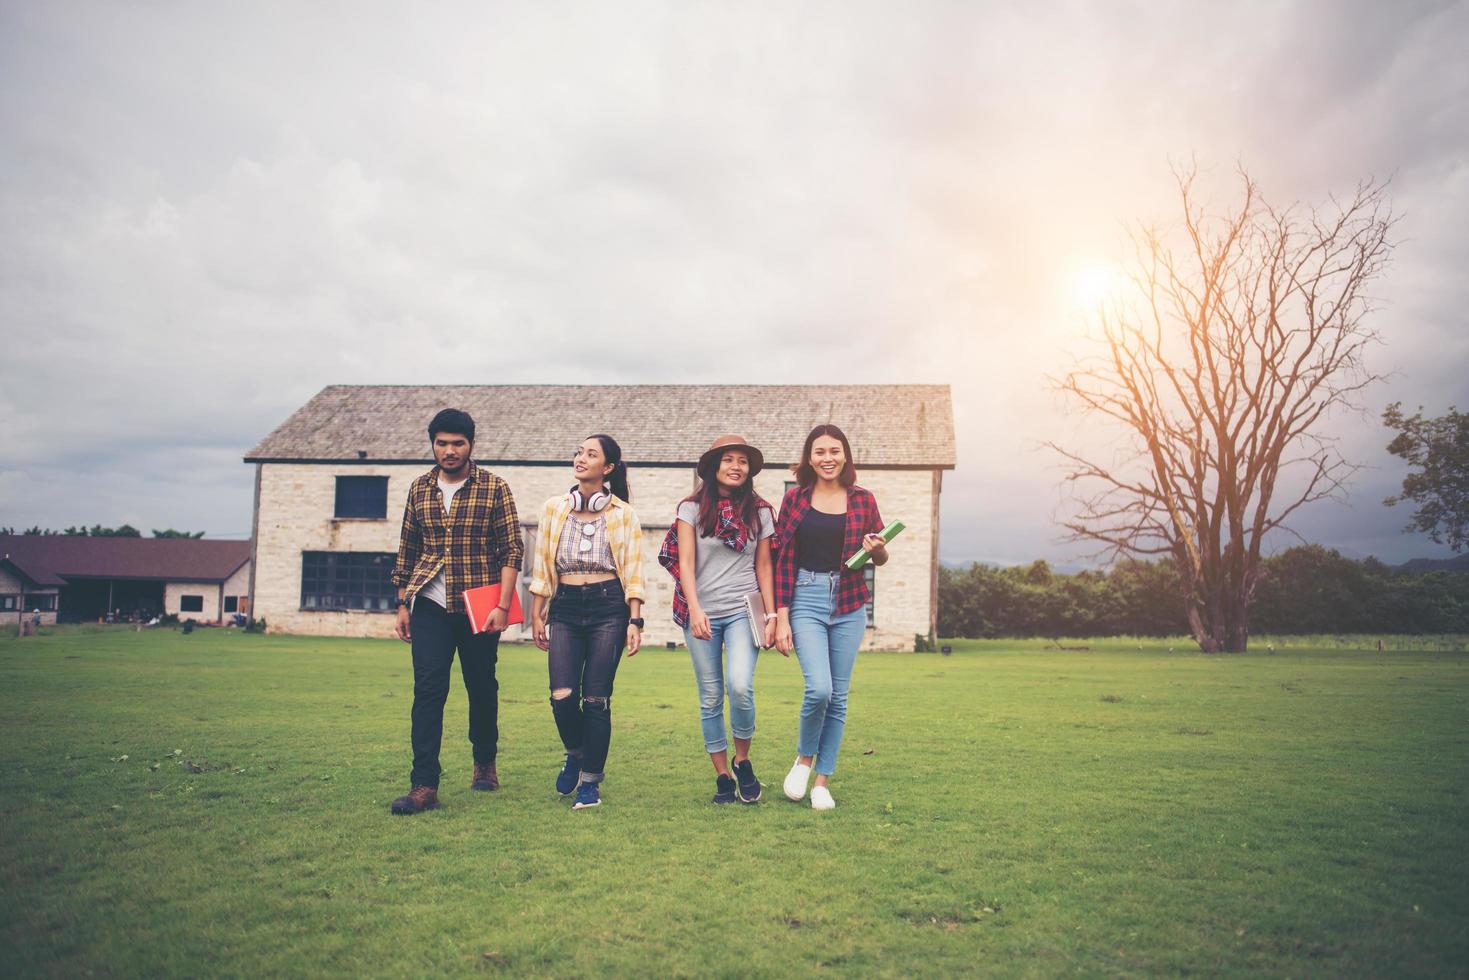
point(634, 639)
point(770, 636)
point(784, 641)
point(540, 631)
point(875, 546)
point(699, 624)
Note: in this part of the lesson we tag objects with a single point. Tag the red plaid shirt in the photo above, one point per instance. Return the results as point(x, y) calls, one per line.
point(862, 518)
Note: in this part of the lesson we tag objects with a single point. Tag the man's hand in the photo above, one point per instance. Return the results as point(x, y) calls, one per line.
point(496, 622)
point(404, 632)
point(634, 639)
point(539, 630)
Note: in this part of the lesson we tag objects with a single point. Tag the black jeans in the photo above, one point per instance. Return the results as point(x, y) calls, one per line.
point(436, 635)
point(588, 626)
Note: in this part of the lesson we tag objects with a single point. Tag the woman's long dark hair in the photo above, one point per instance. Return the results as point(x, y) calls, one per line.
point(746, 504)
point(806, 473)
point(617, 479)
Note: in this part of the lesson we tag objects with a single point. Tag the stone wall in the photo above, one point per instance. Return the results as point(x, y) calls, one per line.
point(297, 502)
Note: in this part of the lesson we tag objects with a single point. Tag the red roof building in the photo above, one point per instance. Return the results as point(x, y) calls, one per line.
point(80, 578)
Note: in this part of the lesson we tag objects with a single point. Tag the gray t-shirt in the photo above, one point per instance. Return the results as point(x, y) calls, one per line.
point(724, 576)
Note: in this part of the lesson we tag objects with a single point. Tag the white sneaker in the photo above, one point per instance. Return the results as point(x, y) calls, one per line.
point(821, 799)
point(795, 784)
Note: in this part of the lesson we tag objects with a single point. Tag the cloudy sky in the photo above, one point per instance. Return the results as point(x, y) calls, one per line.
point(210, 211)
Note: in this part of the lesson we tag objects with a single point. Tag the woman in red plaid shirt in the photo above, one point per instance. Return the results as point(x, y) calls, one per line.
point(821, 604)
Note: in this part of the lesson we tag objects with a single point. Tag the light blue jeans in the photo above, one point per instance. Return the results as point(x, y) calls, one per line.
point(730, 636)
point(826, 645)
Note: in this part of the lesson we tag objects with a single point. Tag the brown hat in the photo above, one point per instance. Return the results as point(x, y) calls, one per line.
point(709, 462)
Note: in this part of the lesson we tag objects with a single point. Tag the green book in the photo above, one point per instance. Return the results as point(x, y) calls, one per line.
point(887, 534)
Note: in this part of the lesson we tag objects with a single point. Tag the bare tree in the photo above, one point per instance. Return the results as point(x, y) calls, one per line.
point(1246, 329)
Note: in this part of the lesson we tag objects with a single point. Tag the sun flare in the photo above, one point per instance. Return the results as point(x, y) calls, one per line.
point(1095, 284)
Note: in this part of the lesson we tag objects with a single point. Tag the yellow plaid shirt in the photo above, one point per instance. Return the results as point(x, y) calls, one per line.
point(472, 544)
point(624, 536)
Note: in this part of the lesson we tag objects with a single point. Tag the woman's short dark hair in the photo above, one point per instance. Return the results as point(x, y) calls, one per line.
point(617, 479)
point(452, 420)
point(806, 473)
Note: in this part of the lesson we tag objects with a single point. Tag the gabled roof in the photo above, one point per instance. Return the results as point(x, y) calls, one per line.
point(53, 558)
point(36, 575)
point(888, 425)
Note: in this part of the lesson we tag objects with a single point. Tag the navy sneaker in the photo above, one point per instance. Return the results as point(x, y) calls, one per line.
point(587, 796)
point(749, 786)
point(724, 791)
point(566, 779)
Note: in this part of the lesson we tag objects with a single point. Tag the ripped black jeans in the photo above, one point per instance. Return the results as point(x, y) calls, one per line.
point(588, 627)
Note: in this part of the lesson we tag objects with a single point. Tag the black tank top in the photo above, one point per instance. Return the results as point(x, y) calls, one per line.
point(819, 541)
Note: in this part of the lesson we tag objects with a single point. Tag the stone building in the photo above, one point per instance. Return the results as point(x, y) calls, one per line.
point(331, 481)
point(81, 578)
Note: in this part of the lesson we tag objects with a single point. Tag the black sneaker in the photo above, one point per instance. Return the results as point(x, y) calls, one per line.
point(749, 789)
point(724, 789)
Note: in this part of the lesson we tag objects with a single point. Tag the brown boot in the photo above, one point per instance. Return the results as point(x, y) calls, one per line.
point(485, 777)
point(419, 799)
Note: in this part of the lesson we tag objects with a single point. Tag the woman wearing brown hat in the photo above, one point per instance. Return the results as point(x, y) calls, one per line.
point(718, 552)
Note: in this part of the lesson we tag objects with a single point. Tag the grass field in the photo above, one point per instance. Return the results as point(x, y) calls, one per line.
point(216, 804)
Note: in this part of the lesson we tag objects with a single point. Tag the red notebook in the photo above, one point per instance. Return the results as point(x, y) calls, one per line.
point(480, 602)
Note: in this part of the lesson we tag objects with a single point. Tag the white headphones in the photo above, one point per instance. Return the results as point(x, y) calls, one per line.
point(598, 500)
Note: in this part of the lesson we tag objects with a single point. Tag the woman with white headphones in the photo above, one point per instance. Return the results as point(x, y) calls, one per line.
point(588, 587)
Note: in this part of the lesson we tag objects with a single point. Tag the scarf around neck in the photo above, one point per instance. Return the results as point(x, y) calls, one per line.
point(728, 528)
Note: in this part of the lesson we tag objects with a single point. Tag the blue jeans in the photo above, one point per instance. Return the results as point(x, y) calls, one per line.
point(826, 645)
point(729, 635)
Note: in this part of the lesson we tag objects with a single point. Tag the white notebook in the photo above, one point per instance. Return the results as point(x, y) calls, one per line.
point(755, 611)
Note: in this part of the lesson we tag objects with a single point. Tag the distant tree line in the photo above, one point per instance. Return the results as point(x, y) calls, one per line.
point(1307, 589)
point(98, 531)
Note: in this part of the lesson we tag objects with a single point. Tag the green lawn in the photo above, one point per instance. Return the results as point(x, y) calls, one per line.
point(216, 804)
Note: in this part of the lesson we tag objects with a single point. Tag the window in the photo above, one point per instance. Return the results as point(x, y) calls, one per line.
point(869, 574)
point(44, 601)
point(347, 580)
point(362, 496)
point(191, 603)
point(8, 602)
point(231, 603)
point(790, 485)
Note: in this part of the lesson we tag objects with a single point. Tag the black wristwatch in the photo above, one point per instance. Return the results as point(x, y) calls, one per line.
point(636, 621)
point(399, 603)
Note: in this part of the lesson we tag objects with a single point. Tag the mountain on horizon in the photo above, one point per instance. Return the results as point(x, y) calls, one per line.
point(1420, 566)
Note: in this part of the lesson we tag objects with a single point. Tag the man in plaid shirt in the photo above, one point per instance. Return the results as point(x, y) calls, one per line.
point(460, 531)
